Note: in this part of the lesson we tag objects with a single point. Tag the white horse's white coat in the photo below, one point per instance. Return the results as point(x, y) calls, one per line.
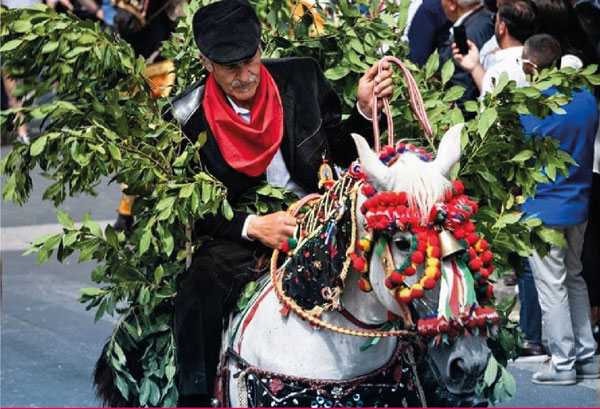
point(287, 345)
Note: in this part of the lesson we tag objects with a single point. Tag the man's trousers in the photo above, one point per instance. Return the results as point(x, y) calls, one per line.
point(564, 300)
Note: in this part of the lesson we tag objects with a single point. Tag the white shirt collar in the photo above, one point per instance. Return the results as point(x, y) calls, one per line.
point(463, 17)
point(510, 52)
point(238, 109)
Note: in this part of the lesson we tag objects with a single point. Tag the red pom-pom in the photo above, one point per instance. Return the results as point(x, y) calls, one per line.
point(491, 268)
point(472, 253)
point(417, 257)
point(482, 245)
point(397, 278)
point(417, 291)
point(475, 264)
point(469, 227)
point(359, 264)
point(401, 197)
point(409, 271)
point(364, 285)
point(489, 292)
point(368, 190)
point(428, 283)
point(487, 257)
point(388, 283)
point(484, 274)
point(472, 238)
point(403, 295)
point(433, 241)
point(435, 252)
point(459, 233)
point(285, 246)
point(438, 274)
point(422, 247)
point(458, 186)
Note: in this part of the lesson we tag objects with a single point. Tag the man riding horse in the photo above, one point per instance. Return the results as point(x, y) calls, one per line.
point(273, 120)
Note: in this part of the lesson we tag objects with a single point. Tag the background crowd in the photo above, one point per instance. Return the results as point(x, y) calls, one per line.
point(519, 38)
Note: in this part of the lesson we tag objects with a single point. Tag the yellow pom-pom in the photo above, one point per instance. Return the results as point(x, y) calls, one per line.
point(430, 271)
point(364, 244)
point(433, 262)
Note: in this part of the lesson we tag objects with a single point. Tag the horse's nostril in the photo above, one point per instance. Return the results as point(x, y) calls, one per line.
point(457, 369)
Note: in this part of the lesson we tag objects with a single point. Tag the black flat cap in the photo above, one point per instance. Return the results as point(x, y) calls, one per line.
point(227, 31)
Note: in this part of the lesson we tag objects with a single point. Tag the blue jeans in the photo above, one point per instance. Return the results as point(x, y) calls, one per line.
point(530, 314)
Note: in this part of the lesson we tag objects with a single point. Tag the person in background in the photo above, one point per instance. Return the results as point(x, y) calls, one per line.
point(479, 28)
point(513, 24)
point(563, 205)
point(428, 32)
point(557, 18)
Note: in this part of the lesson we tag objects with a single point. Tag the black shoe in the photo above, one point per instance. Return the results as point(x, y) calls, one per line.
point(532, 349)
point(596, 331)
point(510, 280)
point(123, 223)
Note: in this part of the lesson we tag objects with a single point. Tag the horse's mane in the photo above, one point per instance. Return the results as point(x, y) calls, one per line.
point(423, 184)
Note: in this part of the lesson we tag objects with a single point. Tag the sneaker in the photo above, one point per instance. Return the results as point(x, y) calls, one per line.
point(589, 369)
point(552, 376)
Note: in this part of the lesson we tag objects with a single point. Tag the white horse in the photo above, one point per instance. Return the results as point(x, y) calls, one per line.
point(286, 347)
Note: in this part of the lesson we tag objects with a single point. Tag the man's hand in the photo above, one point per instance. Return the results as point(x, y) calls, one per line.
point(372, 81)
point(468, 61)
point(272, 229)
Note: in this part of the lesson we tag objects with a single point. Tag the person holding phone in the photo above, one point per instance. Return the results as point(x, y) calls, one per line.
point(514, 23)
point(478, 28)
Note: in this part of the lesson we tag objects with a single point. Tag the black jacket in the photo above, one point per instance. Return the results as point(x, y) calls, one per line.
point(479, 28)
point(313, 127)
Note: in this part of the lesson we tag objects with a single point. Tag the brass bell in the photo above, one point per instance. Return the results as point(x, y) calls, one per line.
point(449, 246)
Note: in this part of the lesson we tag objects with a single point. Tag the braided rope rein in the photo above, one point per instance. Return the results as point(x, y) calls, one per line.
point(416, 103)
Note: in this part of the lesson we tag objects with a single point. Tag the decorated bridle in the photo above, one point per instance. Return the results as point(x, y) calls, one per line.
point(445, 245)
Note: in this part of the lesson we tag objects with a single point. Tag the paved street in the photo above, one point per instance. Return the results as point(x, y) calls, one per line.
point(50, 343)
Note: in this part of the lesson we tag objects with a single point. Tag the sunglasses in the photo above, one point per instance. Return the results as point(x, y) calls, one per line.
point(523, 61)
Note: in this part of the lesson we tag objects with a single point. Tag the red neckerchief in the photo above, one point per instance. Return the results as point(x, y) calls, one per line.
point(247, 147)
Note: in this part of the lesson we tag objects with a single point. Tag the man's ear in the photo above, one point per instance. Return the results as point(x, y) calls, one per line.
point(206, 62)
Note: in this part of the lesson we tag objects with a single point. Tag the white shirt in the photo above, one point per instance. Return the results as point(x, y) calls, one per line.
point(412, 10)
point(278, 174)
point(487, 58)
point(508, 62)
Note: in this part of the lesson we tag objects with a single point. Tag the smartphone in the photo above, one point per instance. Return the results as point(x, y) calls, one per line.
point(460, 38)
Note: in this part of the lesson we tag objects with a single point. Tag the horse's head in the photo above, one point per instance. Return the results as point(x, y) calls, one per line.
point(411, 218)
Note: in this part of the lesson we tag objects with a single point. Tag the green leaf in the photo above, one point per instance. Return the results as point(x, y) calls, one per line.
point(226, 210)
point(50, 47)
point(522, 156)
point(145, 241)
point(115, 153)
point(93, 227)
point(486, 120)
point(21, 26)
point(552, 236)
point(122, 386)
point(90, 291)
point(64, 219)
point(154, 394)
point(158, 274)
point(447, 71)
point(10, 45)
point(337, 73)
point(111, 236)
point(145, 391)
point(38, 146)
point(186, 191)
point(510, 385)
point(491, 371)
point(166, 202)
point(432, 64)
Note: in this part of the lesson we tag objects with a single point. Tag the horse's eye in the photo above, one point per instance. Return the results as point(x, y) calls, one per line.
point(402, 244)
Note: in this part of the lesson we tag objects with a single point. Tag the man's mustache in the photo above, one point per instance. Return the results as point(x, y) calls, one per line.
point(237, 84)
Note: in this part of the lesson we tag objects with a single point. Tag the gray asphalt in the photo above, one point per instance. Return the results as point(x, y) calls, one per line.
point(49, 343)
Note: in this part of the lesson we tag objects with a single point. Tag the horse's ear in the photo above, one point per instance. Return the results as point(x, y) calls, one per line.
point(449, 150)
point(377, 172)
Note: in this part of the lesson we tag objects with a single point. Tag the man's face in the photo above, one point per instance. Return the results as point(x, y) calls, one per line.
point(450, 10)
point(529, 67)
point(239, 81)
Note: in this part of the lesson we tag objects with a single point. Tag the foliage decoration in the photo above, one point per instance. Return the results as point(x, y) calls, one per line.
point(101, 121)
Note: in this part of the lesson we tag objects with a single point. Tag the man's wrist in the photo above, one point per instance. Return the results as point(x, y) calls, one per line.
point(362, 111)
